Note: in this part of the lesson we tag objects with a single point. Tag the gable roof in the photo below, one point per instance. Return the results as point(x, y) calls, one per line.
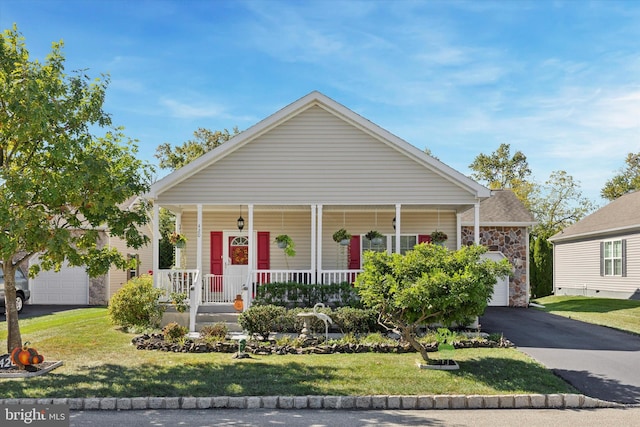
point(621, 215)
point(502, 208)
point(296, 108)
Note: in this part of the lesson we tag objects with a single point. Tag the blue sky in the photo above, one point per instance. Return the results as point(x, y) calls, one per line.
point(558, 80)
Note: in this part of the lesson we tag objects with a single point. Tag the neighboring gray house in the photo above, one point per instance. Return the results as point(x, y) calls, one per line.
point(600, 255)
point(504, 228)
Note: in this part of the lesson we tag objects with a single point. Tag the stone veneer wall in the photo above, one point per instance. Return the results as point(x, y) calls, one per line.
point(512, 242)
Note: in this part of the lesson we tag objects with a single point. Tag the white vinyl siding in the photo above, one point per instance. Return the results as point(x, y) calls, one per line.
point(296, 222)
point(577, 266)
point(317, 157)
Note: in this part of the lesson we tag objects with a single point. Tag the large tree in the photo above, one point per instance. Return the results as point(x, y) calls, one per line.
point(60, 182)
point(626, 181)
point(500, 170)
point(204, 140)
point(558, 204)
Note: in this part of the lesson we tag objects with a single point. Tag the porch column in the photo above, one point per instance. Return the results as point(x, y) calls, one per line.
point(251, 263)
point(319, 244)
point(178, 251)
point(196, 287)
point(476, 223)
point(199, 242)
point(155, 244)
point(313, 243)
point(398, 222)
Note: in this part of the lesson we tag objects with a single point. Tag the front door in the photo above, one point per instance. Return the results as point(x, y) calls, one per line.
point(237, 264)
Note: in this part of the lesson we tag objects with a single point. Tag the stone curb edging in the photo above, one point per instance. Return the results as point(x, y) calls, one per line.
point(507, 401)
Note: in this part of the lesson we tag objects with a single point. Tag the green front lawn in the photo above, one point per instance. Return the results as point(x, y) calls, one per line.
point(99, 362)
point(615, 313)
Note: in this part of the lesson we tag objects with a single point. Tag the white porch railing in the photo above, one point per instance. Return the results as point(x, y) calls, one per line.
point(326, 277)
point(221, 289)
point(272, 276)
point(177, 281)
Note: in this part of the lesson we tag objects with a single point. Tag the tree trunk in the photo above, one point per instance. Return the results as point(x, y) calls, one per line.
point(14, 339)
point(408, 335)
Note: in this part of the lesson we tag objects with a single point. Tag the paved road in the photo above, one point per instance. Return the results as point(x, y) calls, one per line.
point(600, 362)
point(339, 418)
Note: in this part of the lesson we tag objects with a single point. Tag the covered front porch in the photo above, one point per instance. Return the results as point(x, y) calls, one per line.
point(231, 250)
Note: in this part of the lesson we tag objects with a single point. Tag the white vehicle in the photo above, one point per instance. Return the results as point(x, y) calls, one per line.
point(22, 289)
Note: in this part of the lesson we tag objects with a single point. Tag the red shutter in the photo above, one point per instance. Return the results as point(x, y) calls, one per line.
point(424, 238)
point(264, 259)
point(354, 253)
point(216, 253)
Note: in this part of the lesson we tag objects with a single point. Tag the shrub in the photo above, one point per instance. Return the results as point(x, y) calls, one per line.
point(261, 319)
point(136, 304)
point(173, 332)
point(217, 331)
point(293, 294)
point(356, 320)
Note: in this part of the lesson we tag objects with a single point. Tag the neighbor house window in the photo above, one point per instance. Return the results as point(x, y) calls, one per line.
point(134, 271)
point(613, 258)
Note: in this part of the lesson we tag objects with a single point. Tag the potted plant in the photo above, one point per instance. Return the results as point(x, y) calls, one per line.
point(342, 236)
point(374, 236)
point(438, 237)
point(177, 239)
point(286, 243)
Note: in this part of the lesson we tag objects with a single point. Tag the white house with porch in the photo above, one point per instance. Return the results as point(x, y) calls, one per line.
point(306, 171)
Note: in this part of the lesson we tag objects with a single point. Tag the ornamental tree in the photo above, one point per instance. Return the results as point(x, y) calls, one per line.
point(427, 285)
point(59, 183)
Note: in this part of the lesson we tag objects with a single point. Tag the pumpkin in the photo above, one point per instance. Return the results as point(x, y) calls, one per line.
point(238, 304)
point(24, 356)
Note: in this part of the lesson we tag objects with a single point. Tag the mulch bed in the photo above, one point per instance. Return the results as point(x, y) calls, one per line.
point(311, 346)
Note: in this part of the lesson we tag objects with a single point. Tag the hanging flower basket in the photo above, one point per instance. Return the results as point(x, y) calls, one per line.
point(178, 240)
point(375, 237)
point(438, 236)
point(286, 243)
point(342, 236)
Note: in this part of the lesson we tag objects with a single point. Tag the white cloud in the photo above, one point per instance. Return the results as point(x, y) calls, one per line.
point(193, 110)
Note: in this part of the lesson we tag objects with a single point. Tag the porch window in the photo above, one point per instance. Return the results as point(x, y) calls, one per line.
point(407, 243)
point(367, 245)
point(388, 244)
point(612, 258)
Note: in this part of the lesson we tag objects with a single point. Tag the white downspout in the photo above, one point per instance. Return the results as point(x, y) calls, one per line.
point(458, 230)
point(313, 244)
point(319, 244)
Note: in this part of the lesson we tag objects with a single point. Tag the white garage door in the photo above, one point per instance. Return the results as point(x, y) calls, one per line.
point(501, 289)
point(68, 286)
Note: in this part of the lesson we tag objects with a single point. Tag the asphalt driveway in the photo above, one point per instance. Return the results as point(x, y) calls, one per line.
point(600, 362)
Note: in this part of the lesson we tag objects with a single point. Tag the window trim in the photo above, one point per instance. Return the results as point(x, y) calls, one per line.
point(610, 261)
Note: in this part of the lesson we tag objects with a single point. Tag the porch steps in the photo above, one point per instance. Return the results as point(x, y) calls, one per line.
point(211, 314)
